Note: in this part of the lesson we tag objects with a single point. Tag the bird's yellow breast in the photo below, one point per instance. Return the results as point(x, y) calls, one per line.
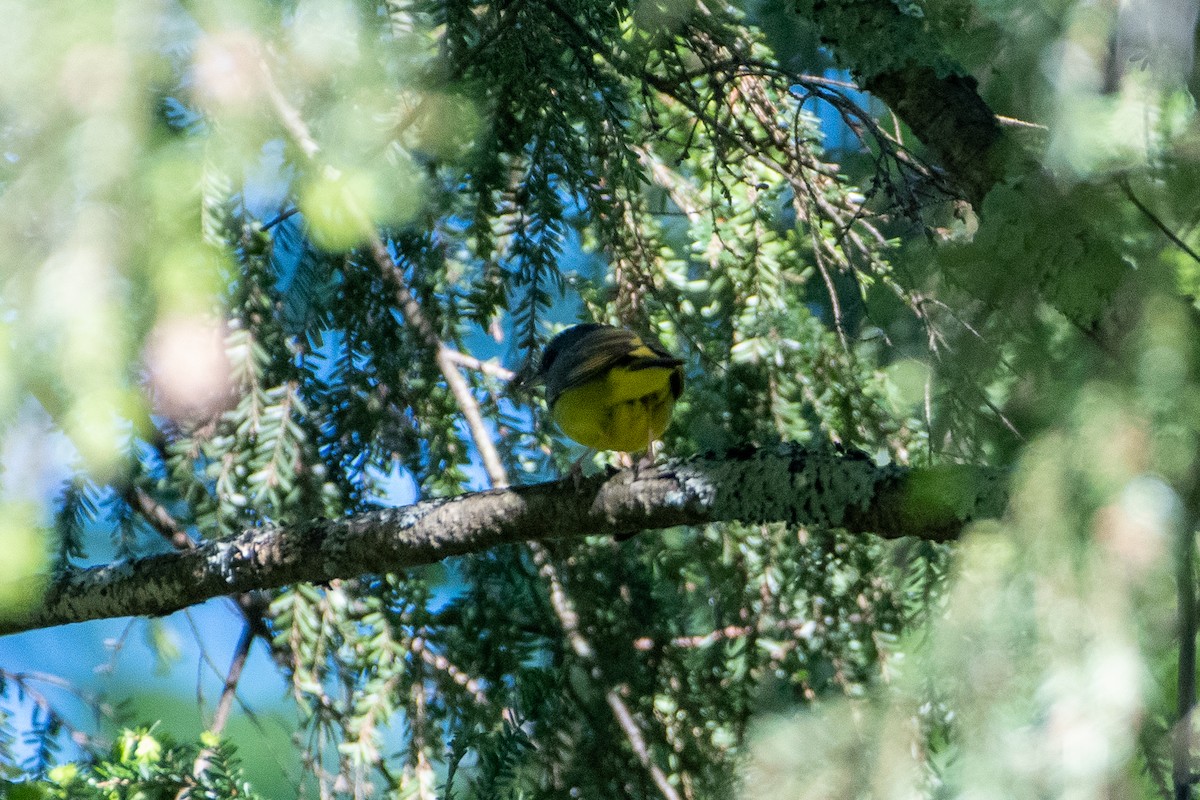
point(624, 410)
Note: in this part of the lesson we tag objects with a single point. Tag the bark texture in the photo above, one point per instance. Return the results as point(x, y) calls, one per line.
point(790, 484)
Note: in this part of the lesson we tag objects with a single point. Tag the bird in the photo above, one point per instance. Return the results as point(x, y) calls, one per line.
point(609, 388)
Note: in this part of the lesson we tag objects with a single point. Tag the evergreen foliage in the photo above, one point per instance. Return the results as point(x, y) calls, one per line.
point(263, 262)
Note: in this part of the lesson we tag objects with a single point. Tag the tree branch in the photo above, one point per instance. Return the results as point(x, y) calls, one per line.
point(633, 732)
point(240, 654)
point(947, 114)
point(786, 484)
point(918, 82)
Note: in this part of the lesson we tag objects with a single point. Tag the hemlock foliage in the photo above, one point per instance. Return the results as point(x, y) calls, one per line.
point(279, 261)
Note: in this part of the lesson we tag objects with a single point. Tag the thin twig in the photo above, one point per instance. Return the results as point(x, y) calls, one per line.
point(831, 290)
point(1158, 223)
point(633, 733)
point(266, 226)
point(99, 707)
point(236, 664)
point(1013, 122)
point(486, 367)
point(564, 609)
point(700, 640)
point(421, 764)
point(157, 517)
point(439, 662)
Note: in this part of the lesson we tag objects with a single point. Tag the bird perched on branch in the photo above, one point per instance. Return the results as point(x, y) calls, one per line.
point(609, 388)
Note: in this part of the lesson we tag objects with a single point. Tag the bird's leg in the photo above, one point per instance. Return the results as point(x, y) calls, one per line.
point(651, 453)
point(625, 461)
point(649, 456)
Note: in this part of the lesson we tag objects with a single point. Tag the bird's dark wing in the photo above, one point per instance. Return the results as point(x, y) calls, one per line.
point(586, 353)
point(594, 353)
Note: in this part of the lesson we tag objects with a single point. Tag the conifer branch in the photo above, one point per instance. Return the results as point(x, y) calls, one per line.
point(447, 365)
point(237, 663)
point(939, 104)
point(789, 484)
point(634, 733)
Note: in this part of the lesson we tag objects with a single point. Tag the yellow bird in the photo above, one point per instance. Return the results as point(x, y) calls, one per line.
point(610, 389)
